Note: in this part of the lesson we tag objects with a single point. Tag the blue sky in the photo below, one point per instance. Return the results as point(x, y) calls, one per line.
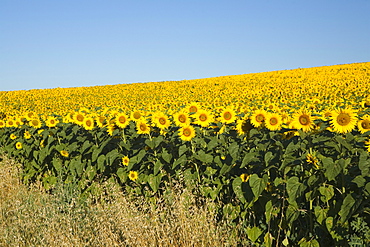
point(72, 43)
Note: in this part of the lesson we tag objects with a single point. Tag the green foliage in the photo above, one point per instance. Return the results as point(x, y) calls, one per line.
point(282, 198)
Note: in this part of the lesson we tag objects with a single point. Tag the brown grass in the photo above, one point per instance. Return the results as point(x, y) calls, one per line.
point(31, 217)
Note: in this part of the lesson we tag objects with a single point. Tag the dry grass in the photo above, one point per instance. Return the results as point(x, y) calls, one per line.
point(31, 217)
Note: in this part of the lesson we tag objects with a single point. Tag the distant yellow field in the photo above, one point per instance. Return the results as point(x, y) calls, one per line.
point(319, 88)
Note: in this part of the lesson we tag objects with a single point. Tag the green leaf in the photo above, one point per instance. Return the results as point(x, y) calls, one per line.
point(346, 208)
point(225, 169)
point(254, 233)
point(268, 157)
point(182, 149)
point(179, 161)
point(327, 192)
point(343, 142)
point(268, 211)
point(268, 239)
point(154, 181)
point(87, 144)
point(157, 167)
point(234, 150)
point(122, 174)
point(101, 162)
point(320, 214)
point(294, 189)
point(364, 164)
point(112, 156)
point(166, 156)
point(57, 165)
point(237, 188)
point(249, 157)
point(202, 156)
point(367, 189)
point(212, 144)
point(333, 169)
point(90, 172)
point(257, 185)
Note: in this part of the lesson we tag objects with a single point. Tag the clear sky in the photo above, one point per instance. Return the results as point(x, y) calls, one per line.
point(73, 43)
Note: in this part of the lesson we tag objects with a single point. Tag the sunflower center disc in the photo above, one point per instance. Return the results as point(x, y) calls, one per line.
point(182, 119)
point(273, 121)
point(365, 124)
point(343, 119)
point(162, 121)
point(227, 115)
point(187, 132)
point(303, 120)
point(260, 118)
point(203, 117)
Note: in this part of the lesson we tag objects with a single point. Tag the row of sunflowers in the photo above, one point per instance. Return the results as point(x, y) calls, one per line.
point(285, 152)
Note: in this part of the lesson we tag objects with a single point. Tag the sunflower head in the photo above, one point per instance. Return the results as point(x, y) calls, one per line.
point(343, 120)
point(245, 177)
point(273, 121)
point(64, 153)
point(364, 124)
point(258, 118)
point(121, 120)
point(125, 160)
point(303, 120)
point(227, 115)
point(18, 145)
point(142, 127)
point(187, 133)
point(203, 118)
point(133, 175)
point(181, 119)
point(88, 123)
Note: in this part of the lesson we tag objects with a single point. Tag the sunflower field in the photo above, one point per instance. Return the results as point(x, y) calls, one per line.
point(286, 153)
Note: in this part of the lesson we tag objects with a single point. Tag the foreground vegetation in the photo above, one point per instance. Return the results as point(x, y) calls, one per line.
point(292, 171)
point(32, 217)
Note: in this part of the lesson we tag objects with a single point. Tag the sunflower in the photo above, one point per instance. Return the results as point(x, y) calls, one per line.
point(133, 175)
point(64, 153)
point(245, 177)
point(30, 115)
point(364, 124)
point(51, 122)
point(258, 118)
point(142, 127)
point(88, 123)
point(187, 133)
point(161, 120)
point(122, 120)
point(2, 124)
point(273, 121)
point(367, 145)
point(243, 126)
point(27, 134)
point(35, 123)
point(203, 118)
point(181, 119)
point(303, 120)
point(343, 120)
point(227, 116)
point(193, 108)
point(13, 137)
point(100, 120)
point(136, 115)
point(125, 160)
point(78, 118)
point(110, 128)
point(10, 123)
point(18, 145)
point(18, 121)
